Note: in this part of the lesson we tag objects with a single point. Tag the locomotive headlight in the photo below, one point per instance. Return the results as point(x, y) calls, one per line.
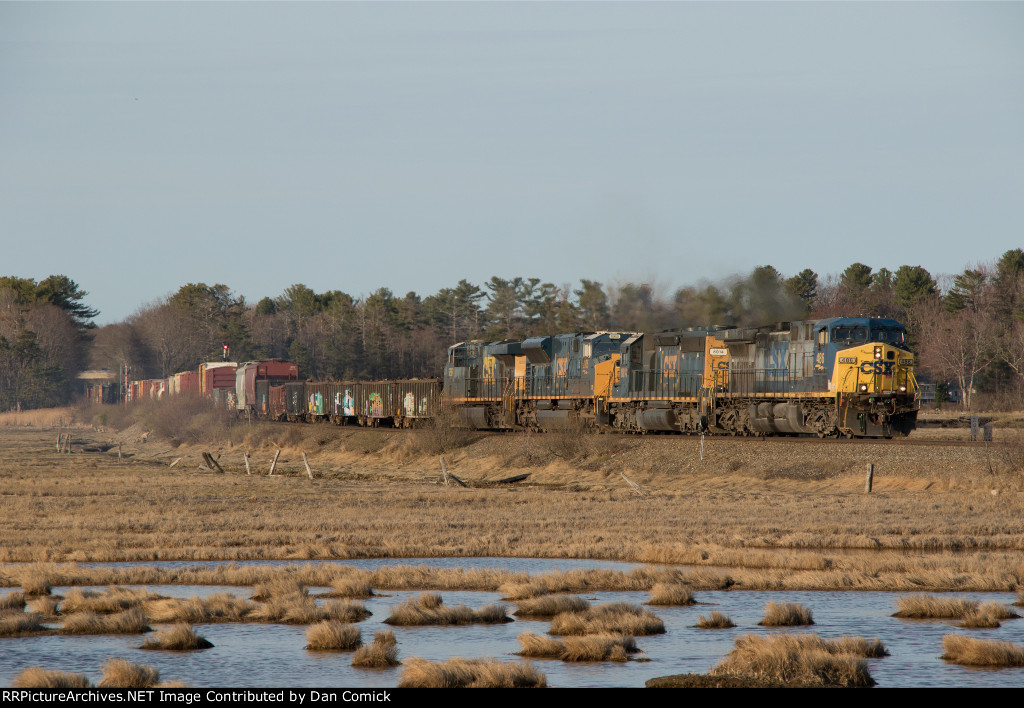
point(863, 388)
point(878, 352)
point(903, 389)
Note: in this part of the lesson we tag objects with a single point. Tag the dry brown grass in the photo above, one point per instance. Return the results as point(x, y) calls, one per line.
point(979, 652)
point(39, 418)
point(180, 637)
point(131, 621)
point(380, 653)
point(38, 677)
point(716, 620)
point(429, 609)
point(221, 607)
point(988, 616)
point(706, 513)
point(45, 606)
point(115, 599)
point(669, 594)
point(333, 636)
point(121, 673)
point(353, 587)
point(786, 614)
point(470, 673)
point(594, 647)
point(20, 624)
point(931, 607)
point(617, 617)
point(550, 605)
point(277, 588)
point(801, 659)
point(12, 601)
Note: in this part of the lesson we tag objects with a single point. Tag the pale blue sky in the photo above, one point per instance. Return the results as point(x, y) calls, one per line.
point(354, 146)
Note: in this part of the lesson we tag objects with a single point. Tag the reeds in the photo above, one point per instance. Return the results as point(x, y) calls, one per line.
point(221, 607)
point(333, 636)
point(470, 673)
point(428, 609)
point(716, 620)
point(550, 605)
point(786, 614)
point(671, 594)
point(979, 652)
point(594, 647)
point(801, 659)
point(38, 677)
point(352, 587)
point(346, 611)
point(121, 673)
point(381, 653)
point(180, 637)
point(45, 606)
point(617, 617)
point(131, 621)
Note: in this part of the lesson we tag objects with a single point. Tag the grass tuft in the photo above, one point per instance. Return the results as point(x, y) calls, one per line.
point(470, 673)
point(786, 614)
point(21, 624)
point(617, 617)
point(353, 587)
point(550, 605)
point(594, 647)
point(716, 620)
point(979, 652)
point(12, 601)
point(113, 600)
point(932, 607)
point(131, 621)
point(382, 652)
point(121, 673)
point(801, 660)
point(38, 677)
point(180, 637)
point(671, 594)
point(428, 609)
point(333, 636)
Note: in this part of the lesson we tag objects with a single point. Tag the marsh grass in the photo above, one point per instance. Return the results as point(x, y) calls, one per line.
point(346, 611)
point(921, 606)
point(550, 605)
point(279, 587)
point(121, 673)
point(12, 601)
point(979, 652)
point(380, 653)
point(428, 609)
point(670, 594)
point(593, 647)
point(45, 606)
point(221, 607)
point(180, 637)
point(21, 624)
point(331, 635)
point(716, 620)
point(352, 587)
point(801, 659)
point(115, 599)
point(470, 673)
point(988, 616)
point(786, 614)
point(38, 677)
point(131, 621)
point(617, 617)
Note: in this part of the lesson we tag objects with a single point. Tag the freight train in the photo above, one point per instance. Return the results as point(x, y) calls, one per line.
point(843, 376)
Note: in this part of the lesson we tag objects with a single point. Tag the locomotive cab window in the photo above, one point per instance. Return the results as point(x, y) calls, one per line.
point(822, 337)
point(850, 334)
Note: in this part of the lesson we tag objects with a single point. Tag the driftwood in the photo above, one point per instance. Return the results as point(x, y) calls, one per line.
point(176, 461)
point(516, 478)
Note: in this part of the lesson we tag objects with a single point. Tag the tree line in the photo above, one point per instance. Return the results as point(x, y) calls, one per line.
point(967, 330)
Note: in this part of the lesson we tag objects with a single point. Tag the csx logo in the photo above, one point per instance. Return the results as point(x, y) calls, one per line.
point(877, 367)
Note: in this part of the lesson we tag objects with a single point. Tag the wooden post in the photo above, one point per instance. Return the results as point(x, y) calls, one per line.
point(60, 439)
point(274, 463)
point(869, 479)
point(119, 452)
point(246, 456)
point(306, 463)
point(444, 471)
point(174, 463)
point(212, 463)
point(67, 444)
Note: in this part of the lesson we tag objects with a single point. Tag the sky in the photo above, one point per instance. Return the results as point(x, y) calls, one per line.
point(352, 146)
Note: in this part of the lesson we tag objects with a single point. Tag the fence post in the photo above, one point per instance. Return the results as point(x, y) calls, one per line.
point(869, 479)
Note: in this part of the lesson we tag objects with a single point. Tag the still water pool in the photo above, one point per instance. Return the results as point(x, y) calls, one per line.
point(261, 655)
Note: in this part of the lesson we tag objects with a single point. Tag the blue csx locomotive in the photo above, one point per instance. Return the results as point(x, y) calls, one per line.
point(848, 376)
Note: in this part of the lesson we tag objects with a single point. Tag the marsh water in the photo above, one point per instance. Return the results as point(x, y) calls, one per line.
point(272, 655)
